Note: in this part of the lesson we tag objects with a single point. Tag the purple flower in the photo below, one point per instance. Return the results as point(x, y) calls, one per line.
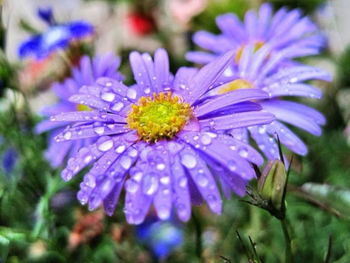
point(263, 71)
point(57, 36)
point(285, 31)
point(161, 139)
point(89, 70)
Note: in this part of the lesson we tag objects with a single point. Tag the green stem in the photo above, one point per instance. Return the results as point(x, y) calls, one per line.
point(288, 252)
point(198, 229)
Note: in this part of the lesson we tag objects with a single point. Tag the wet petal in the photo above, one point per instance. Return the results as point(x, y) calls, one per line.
point(238, 120)
point(88, 116)
point(202, 178)
point(232, 97)
point(182, 199)
point(90, 130)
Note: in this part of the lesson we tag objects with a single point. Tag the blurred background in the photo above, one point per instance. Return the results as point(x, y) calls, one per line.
point(40, 218)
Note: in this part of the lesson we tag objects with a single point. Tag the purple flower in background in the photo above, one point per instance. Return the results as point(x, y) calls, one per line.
point(89, 70)
point(162, 139)
point(161, 237)
point(57, 36)
point(285, 31)
point(261, 70)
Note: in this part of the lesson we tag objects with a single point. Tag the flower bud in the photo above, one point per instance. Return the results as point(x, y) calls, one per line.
point(272, 182)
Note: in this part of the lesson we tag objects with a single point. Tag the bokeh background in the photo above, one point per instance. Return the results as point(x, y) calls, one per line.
point(40, 218)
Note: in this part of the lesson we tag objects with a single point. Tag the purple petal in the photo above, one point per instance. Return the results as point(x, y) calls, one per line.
point(202, 178)
point(161, 68)
point(231, 26)
point(90, 130)
point(88, 116)
point(47, 125)
point(207, 75)
point(84, 157)
point(141, 73)
point(250, 23)
point(200, 57)
point(110, 202)
point(182, 199)
point(266, 143)
point(224, 153)
point(56, 152)
point(303, 90)
point(238, 120)
point(287, 137)
point(226, 99)
point(265, 13)
point(287, 106)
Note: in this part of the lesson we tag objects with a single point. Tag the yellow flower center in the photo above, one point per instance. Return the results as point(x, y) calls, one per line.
point(235, 85)
point(82, 107)
point(160, 117)
point(257, 46)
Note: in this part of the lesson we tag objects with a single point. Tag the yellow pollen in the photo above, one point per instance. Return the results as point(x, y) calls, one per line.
point(82, 107)
point(235, 85)
point(257, 46)
point(159, 117)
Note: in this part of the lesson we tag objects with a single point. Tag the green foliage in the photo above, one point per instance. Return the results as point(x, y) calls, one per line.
point(308, 6)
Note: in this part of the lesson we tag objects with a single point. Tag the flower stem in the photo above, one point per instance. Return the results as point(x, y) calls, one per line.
point(288, 251)
point(198, 229)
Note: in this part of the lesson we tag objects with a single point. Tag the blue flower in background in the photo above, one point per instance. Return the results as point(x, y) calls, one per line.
point(160, 237)
point(46, 14)
point(57, 36)
point(9, 160)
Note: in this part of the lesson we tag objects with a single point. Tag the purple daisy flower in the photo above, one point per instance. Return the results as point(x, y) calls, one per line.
point(161, 140)
point(287, 30)
point(261, 70)
point(89, 70)
point(57, 36)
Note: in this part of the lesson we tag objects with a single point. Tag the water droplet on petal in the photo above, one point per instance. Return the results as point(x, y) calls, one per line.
point(105, 146)
point(99, 130)
point(182, 181)
point(137, 176)
point(131, 93)
point(232, 165)
point(206, 139)
point(202, 179)
point(243, 152)
point(67, 135)
point(160, 166)
point(131, 186)
point(150, 184)
point(132, 153)
point(165, 179)
point(262, 129)
point(163, 212)
point(120, 149)
point(117, 106)
point(88, 158)
point(108, 96)
point(188, 160)
point(125, 162)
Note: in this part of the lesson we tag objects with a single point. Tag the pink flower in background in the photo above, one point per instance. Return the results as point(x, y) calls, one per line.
point(183, 10)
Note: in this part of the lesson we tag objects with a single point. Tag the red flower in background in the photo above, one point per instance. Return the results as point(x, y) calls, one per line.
point(140, 24)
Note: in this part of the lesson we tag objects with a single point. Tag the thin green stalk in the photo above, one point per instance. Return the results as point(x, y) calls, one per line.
point(198, 230)
point(288, 241)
